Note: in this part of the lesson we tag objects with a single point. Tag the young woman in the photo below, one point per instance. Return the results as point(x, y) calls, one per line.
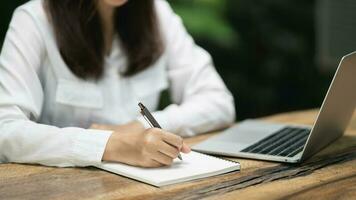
point(73, 71)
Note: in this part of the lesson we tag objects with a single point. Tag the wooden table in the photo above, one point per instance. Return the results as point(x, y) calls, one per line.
point(330, 174)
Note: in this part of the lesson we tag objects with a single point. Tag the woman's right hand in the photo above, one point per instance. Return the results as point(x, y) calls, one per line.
point(132, 144)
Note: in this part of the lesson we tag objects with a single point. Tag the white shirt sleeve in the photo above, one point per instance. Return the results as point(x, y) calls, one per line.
point(22, 140)
point(201, 100)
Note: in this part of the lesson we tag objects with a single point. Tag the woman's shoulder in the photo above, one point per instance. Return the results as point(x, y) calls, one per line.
point(31, 19)
point(165, 14)
point(163, 8)
point(32, 6)
point(33, 9)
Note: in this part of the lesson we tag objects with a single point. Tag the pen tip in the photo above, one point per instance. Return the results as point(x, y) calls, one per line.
point(180, 157)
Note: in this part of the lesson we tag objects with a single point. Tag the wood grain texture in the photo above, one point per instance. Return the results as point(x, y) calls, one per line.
point(330, 174)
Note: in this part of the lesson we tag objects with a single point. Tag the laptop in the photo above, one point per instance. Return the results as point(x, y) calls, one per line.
point(292, 143)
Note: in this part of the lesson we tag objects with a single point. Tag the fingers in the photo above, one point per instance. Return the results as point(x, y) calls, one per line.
point(162, 147)
point(172, 139)
point(168, 150)
point(152, 164)
point(176, 141)
point(162, 158)
point(185, 148)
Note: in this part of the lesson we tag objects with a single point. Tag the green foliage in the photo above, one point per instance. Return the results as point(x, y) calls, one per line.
point(264, 50)
point(206, 19)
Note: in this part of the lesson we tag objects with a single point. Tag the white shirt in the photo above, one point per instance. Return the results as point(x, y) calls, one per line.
point(45, 110)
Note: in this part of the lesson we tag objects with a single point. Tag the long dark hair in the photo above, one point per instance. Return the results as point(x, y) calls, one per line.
point(78, 31)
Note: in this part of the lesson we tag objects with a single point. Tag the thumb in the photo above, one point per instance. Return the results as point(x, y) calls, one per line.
point(185, 148)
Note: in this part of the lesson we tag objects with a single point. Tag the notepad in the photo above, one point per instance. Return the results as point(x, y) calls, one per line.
point(193, 166)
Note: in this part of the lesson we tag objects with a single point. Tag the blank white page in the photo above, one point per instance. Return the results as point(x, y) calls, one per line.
point(194, 166)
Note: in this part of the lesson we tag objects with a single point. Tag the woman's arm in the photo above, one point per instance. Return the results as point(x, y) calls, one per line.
point(201, 100)
point(22, 140)
point(21, 96)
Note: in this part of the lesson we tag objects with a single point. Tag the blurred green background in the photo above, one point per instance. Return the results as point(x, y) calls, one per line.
point(263, 49)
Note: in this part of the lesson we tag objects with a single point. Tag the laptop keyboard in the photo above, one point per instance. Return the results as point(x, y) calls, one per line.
point(286, 142)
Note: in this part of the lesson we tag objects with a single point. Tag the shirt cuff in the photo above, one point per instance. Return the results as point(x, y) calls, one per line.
point(89, 146)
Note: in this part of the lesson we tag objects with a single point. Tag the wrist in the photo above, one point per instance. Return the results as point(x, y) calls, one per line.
point(107, 155)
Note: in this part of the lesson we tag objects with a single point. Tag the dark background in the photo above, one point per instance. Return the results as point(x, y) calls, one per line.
point(263, 49)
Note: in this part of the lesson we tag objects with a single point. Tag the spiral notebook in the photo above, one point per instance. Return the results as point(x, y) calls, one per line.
point(193, 166)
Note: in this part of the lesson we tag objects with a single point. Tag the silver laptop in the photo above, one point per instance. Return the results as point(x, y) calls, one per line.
point(292, 143)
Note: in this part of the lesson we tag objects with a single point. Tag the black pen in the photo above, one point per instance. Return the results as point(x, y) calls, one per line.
point(151, 120)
